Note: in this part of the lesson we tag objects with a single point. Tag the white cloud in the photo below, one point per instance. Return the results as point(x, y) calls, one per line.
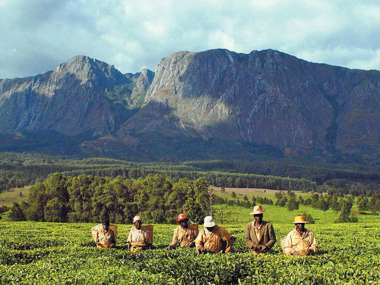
point(39, 34)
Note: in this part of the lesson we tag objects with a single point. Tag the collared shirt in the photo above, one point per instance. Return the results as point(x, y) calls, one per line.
point(102, 237)
point(258, 231)
point(136, 235)
point(296, 243)
point(214, 241)
point(184, 237)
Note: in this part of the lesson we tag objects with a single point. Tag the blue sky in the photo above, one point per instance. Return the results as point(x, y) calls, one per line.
point(37, 35)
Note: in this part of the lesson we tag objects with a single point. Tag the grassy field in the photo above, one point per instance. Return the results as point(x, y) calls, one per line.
point(42, 253)
point(18, 195)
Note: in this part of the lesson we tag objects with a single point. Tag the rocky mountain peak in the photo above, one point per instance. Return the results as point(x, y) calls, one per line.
point(86, 69)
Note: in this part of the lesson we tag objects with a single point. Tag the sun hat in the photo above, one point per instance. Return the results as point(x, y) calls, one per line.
point(136, 218)
point(209, 222)
point(257, 210)
point(299, 220)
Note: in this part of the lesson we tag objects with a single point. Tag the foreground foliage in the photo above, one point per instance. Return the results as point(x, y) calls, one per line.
point(41, 253)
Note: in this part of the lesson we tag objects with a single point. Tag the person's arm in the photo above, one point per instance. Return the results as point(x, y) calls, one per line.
point(272, 237)
point(175, 239)
point(287, 245)
point(313, 248)
point(248, 239)
point(129, 239)
point(199, 242)
point(227, 238)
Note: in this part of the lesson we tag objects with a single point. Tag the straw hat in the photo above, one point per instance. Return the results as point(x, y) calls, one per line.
point(209, 222)
point(299, 220)
point(257, 210)
point(136, 218)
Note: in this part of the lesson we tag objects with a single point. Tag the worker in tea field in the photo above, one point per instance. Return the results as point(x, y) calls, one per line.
point(213, 238)
point(104, 234)
point(185, 233)
point(259, 234)
point(300, 241)
point(138, 237)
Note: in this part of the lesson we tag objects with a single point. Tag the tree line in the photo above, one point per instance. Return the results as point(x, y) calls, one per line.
point(157, 198)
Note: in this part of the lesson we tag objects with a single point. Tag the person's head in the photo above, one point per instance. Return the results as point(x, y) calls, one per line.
point(258, 218)
point(299, 222)
point(300, 227)
point(106, 220)
point(258, 213)
point(209, 223)
point(137, 222)
point(106, 225)
point(183, 220)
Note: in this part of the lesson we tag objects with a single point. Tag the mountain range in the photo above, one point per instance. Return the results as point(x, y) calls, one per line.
point(215, 104)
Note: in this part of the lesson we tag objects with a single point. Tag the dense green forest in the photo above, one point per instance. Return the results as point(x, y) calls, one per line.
point(156, 198)
point(19, 169)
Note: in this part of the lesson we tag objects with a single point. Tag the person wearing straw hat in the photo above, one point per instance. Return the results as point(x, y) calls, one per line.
point(137, 237)
point(259, 234)
point(213, 238)
point(104, 234)
point(300, 241)
point(185, 233)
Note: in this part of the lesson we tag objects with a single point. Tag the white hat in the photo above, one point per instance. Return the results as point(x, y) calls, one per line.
point(257, 210)
point(209, 222)
point(136, 218)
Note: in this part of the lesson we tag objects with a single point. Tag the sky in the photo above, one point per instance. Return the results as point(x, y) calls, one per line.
point(37, 35)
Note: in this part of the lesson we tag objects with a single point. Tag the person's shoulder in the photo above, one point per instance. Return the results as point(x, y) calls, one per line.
point(292, 232)
point(249, 225)
point(96, 227)
point(268, 224)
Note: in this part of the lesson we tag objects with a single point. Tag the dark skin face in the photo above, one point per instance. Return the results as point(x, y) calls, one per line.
point(300, 227)
point(184, 224)
point(211, 228)
point(106, 226)
point(138, 224)
point(258, 218)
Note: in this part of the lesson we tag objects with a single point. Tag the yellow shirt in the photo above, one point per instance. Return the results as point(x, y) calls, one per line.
point(184, 237)
point(213, 241)
point(296, 243)
point(103, 238)
point(137, 238)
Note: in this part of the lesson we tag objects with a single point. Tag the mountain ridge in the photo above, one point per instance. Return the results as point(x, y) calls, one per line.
point(204, 105)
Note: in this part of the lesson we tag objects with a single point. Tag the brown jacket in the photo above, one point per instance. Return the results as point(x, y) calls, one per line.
point(266, 233)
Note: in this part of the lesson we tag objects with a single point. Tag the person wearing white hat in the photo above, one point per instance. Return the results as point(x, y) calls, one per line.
point(137, 237)
point(259, 234)
point(300, 241)
point(213, 238)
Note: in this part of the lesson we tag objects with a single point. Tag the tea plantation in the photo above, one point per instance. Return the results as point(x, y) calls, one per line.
point(53, 253)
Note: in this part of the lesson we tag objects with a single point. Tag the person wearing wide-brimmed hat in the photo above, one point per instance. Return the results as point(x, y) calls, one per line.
point(185, 233)
point(259, 234)
point(137, 237)
point(300, 241)
point(213, 238)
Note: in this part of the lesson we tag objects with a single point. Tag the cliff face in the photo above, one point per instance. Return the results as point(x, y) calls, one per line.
point(212, 104)
point(267, 98)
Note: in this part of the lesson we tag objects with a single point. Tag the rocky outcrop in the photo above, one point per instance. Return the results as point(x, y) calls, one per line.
point(82, 97)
